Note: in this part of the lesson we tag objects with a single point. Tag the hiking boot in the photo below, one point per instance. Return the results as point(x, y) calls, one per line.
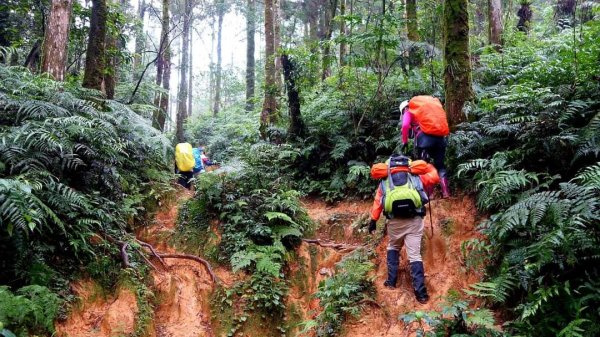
point(418, 281)
point(423, 300)
point(393, 260)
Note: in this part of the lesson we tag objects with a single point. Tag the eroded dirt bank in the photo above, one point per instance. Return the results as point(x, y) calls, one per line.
point(183, 289)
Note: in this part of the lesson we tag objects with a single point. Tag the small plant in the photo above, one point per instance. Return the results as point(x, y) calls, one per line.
point(343, 294)
point(455, 318)
point(31, 310)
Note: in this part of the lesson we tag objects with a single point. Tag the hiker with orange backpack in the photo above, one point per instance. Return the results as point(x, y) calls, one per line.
point(401, 197)
point(425, 118)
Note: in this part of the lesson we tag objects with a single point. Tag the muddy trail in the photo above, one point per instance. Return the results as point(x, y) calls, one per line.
point(183, 288)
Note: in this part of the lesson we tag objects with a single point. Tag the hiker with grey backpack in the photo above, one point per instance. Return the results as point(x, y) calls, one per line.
point(401, 198)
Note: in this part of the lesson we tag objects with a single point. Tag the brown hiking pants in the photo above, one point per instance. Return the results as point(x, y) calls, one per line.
point(407, 231)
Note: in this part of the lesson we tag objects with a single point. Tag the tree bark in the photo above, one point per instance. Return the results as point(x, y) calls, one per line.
point(183, 85)
point(94, 60)
point(343, 45)
point(220, 14)
point(55, 56)
point(269, 108)
point(495, 23)
point(328, 15)
point(524, 15)
point(312, 9)
point(277, 43)
point(140, 39)
point(412, 27)
point(457, 63)
point(191, 74)
point(564, 13)
point(163, 72)
point(296, 128)
point(250, 62)
point(166, 85)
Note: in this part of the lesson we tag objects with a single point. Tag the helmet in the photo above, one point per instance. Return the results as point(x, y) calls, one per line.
point(403, 105)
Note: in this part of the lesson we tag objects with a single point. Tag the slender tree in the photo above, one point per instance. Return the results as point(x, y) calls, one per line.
point(166, 85)
point(269, 108)
point(524, 15)
point(183, 84)
point(54, 57)
point(296, 128)
point(191, 68)
point(220, 15)
point(564, 13)
point(95, 56)
point(163, 70)
point(343, 45)
point(140, 38)
point(457, 63)
point(495, 23)
point(250, 63)
point(330, 9)
point(411, 20)
point(277, 17)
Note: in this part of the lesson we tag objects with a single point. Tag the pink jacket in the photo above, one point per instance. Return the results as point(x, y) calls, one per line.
point(408, 123)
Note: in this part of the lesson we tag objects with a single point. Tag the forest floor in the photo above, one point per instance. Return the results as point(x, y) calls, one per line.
point(183, 289)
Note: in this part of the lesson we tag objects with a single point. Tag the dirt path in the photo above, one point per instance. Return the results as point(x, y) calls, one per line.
point(453, 222)
point(183, 289)
point(182, 292)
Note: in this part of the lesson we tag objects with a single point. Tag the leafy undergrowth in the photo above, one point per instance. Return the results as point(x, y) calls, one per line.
point(77, 173)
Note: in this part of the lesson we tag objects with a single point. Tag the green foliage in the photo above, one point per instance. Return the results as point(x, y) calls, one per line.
point(343, 294)
point(531, 153)
point(454, 318)
point(32, 309)
point(73, 168)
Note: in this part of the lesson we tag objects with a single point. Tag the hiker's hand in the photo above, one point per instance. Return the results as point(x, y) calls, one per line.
point(405, 148)
point(372, 226)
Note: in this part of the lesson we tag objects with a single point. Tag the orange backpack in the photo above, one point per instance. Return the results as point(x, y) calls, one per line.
point(416, 167)
point(430, 115)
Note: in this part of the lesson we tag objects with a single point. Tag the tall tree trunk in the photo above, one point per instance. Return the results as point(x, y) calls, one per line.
point(564, 13)
point(495, 23)
point(166, 84)
point(328, 15)
point(457, 63)
point(524, 15)
point(343, 45)
point(110, 72)
point(296, 128)
point(140, 38)
point(95, 55)
point(312, 8)
point(412, 27)
point(220, 14)
point(277, 19)
point(250, 63)
point(415, 52)
point(55, 56)
point(163, 73)
point(269, 107)
point(183, 85)
point(191, 74)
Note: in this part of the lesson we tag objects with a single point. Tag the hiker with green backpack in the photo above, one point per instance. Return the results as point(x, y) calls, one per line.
point(401, 197)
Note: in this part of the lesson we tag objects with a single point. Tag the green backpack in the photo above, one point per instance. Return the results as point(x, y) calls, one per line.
point(403, 201)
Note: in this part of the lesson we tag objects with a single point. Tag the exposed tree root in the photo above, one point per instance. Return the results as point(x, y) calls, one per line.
point(342, 247)
point(154, 253)
point(193, 258)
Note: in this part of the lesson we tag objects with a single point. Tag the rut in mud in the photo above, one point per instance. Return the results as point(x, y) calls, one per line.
point(183, 290)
